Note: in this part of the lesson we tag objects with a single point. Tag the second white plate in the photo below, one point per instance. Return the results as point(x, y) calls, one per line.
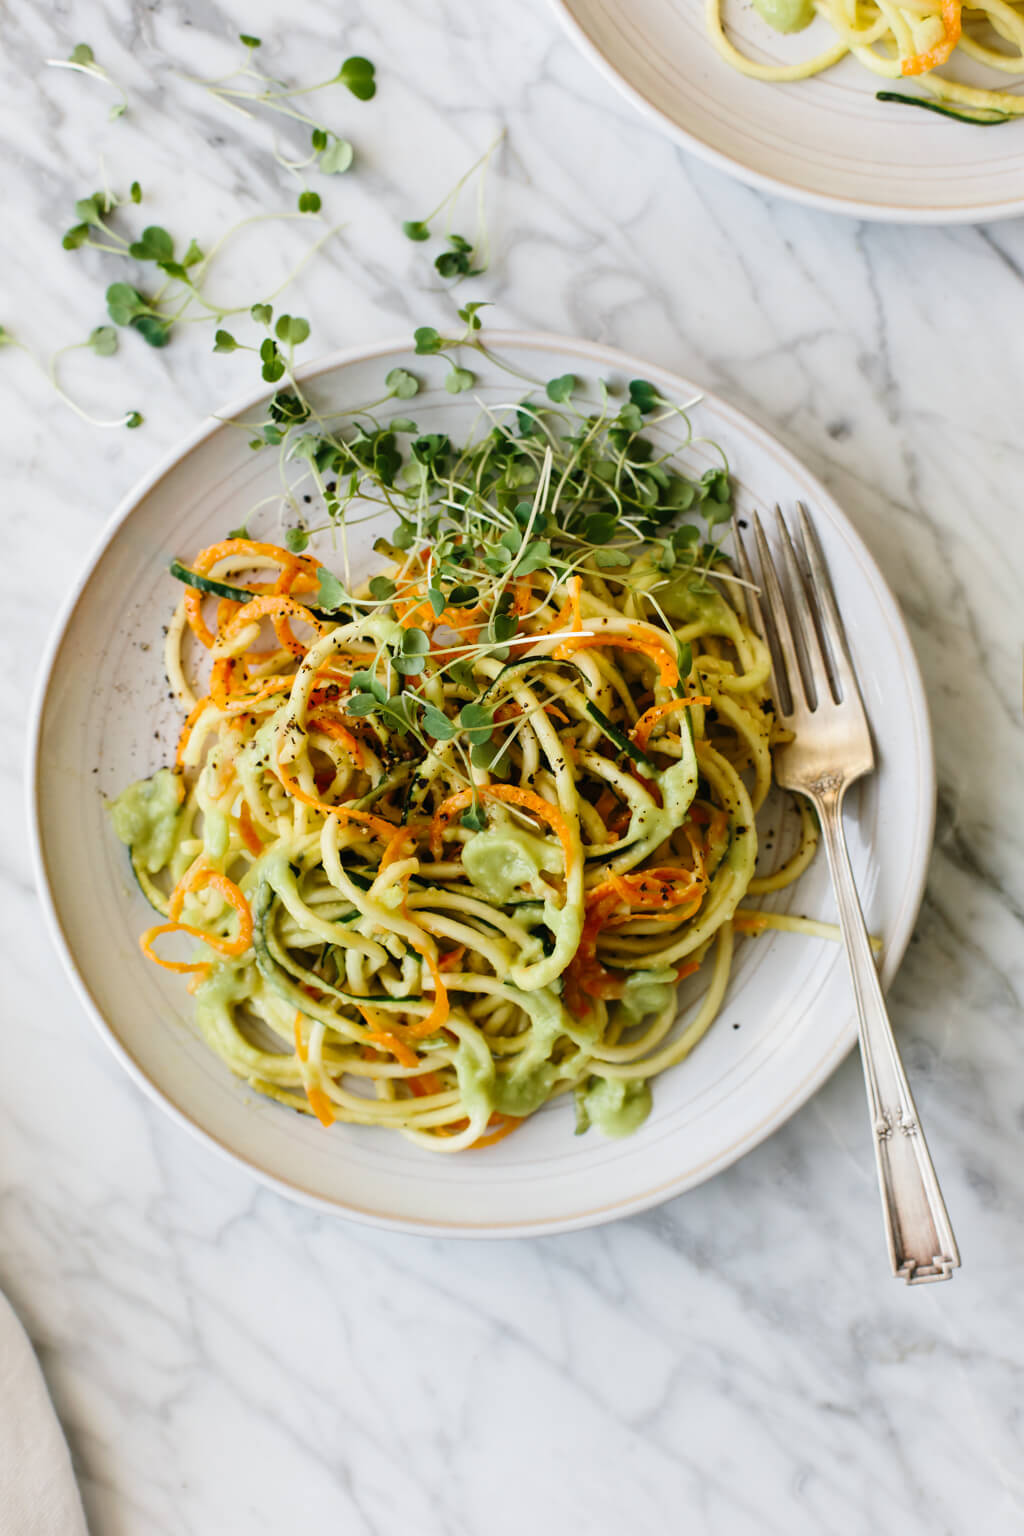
point(824, 141)
point(104, 718)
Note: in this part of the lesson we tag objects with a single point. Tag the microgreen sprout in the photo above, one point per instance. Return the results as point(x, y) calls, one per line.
point(175, 293)
point(457, 260)
point(103, 342)
point(429, 342)
point(289, 332)
point(402, 384)
point(358, 75)
point(559, 390)
point(470, 315)
point(329, 152)
point(463, 258)
point(83, 61)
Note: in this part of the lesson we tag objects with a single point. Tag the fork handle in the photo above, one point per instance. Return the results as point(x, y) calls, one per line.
point(921, 1242)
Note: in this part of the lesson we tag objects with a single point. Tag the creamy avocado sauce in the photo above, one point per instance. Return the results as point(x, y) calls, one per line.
point(675, 595)
point(224, 985)
point(474, 1068)
point(688, 607)
point(504, 858)
point(678, 785)
point(218, 994)
point(145, 816)
point(647, 992)
point(786, 15)
point(617, 1106)
point(216, 833)
point(524, 1089)
point(652, 824)
point(528, 1081)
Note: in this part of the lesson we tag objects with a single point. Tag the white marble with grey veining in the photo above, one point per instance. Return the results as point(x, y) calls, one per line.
point(737, 1363)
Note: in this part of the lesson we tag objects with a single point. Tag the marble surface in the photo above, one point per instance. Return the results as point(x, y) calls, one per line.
point(738, 1361)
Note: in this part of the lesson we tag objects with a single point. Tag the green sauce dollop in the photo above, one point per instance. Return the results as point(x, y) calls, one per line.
point(145, 816)
point(500, 861)
point(647, 992)
point(786, 15)
point(617, 1106)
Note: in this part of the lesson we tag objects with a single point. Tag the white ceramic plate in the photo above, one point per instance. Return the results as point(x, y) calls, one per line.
point(104, 718)
point(825, 141)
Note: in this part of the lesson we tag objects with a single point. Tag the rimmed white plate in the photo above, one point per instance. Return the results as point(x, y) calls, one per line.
point(824, 141)
point(103, 718)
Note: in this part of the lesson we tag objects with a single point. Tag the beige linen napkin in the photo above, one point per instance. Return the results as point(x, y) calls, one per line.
point(38, 1494)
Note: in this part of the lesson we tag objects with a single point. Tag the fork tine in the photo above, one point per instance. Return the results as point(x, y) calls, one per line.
point(813, 662)
point(754, 615)
point(832, 626)
point(788, 688)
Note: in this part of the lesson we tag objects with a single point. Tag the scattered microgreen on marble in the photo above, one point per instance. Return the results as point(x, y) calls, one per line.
point(249, 87)
point(167, 288)
point(457, 261)
point(277, 350)
point(462, 257)
point(173, 292)
point(102, 341)
point(83, 61)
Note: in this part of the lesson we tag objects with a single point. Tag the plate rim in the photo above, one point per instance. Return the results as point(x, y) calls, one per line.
point(853, 208)
point(608, 357)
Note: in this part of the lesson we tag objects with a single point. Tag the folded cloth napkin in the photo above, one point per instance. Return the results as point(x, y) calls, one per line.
point(38, 1494)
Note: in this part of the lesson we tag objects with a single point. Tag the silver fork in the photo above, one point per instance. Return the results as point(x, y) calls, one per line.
point(817, 698)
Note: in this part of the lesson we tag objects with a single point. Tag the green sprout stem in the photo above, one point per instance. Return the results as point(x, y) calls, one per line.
point(450, 196)
point(49, 373)
point(85, 64)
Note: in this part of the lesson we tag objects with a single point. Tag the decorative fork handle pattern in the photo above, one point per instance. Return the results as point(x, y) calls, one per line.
point(921, 1242)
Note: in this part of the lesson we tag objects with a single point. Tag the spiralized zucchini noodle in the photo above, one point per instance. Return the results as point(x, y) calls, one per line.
point(440, 846)
point(901, 42)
